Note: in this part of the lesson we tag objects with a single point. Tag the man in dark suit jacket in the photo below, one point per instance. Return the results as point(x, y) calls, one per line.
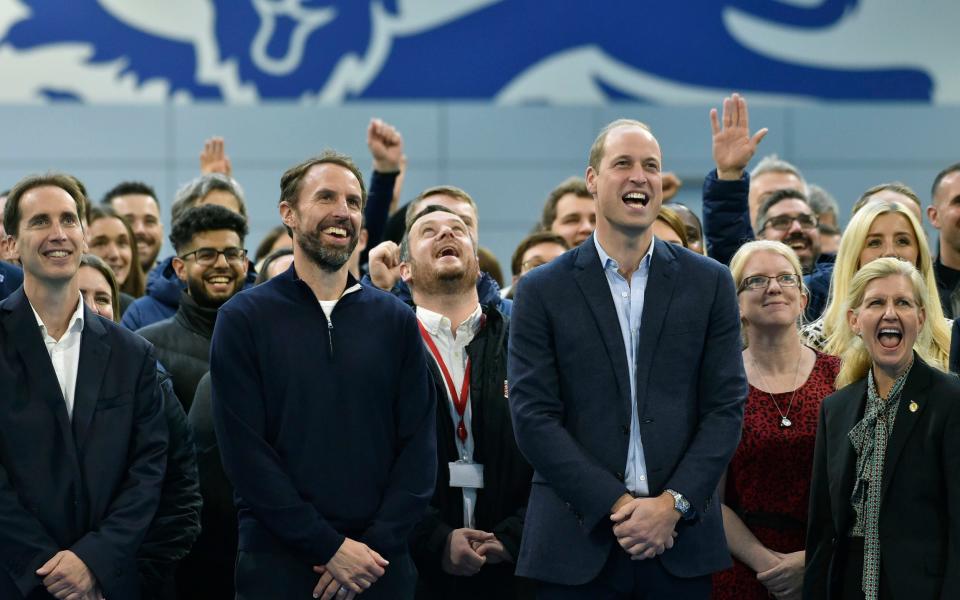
point(627, 392)
point(82, 435)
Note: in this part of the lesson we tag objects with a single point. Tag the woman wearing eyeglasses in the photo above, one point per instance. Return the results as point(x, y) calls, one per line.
point(885, 494)
point(881, 229)
point(765, 490)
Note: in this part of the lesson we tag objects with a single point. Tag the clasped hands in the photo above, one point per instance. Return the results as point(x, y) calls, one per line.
point(467, 550)
point(66, 577)
point(644, 527)
point(353, 569)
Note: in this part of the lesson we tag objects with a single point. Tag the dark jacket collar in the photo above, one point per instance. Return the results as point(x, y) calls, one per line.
point(199, 319)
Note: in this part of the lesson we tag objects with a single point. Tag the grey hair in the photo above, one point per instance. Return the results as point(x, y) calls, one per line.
point(772, 163)
point(196, 189)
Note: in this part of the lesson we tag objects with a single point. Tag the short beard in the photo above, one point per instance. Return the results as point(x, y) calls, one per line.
point(327, 258)
point(432, 283)
point(199, 293)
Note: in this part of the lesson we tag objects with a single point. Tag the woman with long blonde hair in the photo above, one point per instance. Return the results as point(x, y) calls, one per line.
point(880, 229)
point(886, 463)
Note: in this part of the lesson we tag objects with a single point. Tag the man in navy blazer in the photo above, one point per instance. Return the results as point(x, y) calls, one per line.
point(627, 392)
point(82, 433)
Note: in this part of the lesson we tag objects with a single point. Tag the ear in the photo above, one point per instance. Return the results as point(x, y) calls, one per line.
point(804, 299)
point(852, 321)
point(180, 268)
point(934, 216)
point(287, 214)
point(921, 318)
point(591, 178)
point(405, 273)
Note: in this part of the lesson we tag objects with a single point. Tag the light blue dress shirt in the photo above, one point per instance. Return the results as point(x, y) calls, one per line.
point(628, 300)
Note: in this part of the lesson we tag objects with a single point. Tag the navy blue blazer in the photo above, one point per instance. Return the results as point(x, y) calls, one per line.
point(570, 399)
point(90, 484)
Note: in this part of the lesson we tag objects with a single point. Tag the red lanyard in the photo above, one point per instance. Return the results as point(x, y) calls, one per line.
point(459, 400)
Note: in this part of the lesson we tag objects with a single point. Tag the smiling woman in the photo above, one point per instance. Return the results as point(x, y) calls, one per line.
point(764, 506)
point(880, 229)
point(887, 457)
point(112, 239)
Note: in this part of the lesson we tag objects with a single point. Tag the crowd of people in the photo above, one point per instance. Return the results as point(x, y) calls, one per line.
point(653, 406)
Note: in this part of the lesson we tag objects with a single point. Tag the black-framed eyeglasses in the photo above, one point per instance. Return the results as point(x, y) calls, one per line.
point(209, 256)
point(762, 282)
point(783, 222)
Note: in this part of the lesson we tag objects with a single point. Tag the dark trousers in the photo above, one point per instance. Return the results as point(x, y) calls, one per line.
point(852, 583)
point(625, 579)
point(268, 576)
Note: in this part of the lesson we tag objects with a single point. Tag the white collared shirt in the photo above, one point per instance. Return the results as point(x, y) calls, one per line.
point(453, 350)
point(65, 353)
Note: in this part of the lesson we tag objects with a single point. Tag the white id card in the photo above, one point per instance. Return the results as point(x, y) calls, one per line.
point(466, 475)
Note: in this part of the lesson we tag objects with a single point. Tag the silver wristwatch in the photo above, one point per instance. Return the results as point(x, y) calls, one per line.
point(680, 504)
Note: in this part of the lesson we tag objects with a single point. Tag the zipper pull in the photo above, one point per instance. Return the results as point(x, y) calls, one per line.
point(330, 336)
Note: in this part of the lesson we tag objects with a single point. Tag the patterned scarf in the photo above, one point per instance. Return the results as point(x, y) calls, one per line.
point(869, 438)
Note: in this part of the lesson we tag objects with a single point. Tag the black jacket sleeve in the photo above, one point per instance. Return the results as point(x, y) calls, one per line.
point(177, 523)
point(726, 216)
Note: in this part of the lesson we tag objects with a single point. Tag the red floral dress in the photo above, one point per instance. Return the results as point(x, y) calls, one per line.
point(768, 480)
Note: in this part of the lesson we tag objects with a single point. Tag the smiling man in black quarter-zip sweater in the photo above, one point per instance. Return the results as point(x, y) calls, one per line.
point(323, 410)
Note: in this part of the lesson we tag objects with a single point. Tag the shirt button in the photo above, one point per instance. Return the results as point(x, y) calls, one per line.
point(643, 478)
point(624, 294)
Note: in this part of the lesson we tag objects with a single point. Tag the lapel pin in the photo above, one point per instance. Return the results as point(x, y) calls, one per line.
point(913, 406)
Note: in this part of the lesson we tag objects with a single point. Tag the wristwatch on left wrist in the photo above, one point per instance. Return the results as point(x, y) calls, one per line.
point(680, 504)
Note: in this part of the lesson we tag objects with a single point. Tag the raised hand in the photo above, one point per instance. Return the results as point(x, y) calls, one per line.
point(213, 158)
point(384, 264)
point(733, 146)
point(386, 146)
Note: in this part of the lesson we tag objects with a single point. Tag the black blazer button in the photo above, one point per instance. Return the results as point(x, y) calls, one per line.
point(619, 475)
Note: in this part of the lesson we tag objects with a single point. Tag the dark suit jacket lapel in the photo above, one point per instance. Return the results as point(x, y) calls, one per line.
point(94, 355)
point(21, 325)
point(914, 390)
point(842, 458)
point(661, 281)
point(593, 283)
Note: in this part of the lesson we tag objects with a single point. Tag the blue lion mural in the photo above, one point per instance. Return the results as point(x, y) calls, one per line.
point(509, 51)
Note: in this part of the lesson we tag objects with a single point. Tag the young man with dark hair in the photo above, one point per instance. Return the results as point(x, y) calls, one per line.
point(323, 409)
point(164, 286)
point(570, 211)
point(137, 202)
point(211, 262)
point(466, 545)
point(82, 422)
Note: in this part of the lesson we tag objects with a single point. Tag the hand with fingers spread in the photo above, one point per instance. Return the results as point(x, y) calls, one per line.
point(386, 146)
point(459, 554)
point(644, 527)
point(384, 264)
point(785, 579)
point(214, 159)
point(494, 551)
point(66, 577)
point(353, 569)
point(733, 146)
